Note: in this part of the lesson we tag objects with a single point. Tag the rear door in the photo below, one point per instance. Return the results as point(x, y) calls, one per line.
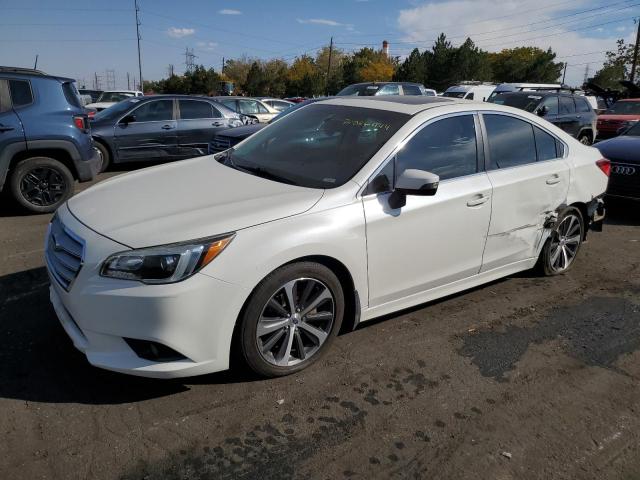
point(11, 132)
point(198, 122)
point(151, 136)
point(530, 180)
point(567, 118)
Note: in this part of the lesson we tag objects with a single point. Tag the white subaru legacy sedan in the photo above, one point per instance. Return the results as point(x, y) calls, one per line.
point(343, 211)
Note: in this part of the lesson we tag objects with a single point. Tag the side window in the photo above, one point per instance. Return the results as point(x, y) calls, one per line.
point(389, 90)
point(230, 104)
point(510, 140)
point(411, 90)
point(261, 108)
point(5, 96)
point(193, 109)
point(20, 92)
point(567, 106)
point(545, 145)
point(551, 103)
point(469, 96)
point(248, 107)
point(582, 106)
point(155, 111)
point(446, 147)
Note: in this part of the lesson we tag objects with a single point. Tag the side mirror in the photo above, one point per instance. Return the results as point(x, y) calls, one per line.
point(128, 119)
point(413, 182)
point(542, 111)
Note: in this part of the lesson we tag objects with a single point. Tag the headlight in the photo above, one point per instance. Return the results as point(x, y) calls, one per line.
point(167, 263)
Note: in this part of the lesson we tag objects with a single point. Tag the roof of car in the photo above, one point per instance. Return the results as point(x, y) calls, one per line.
point(385, 83)
point(409, 104)
point(30, 72)
point(540, 93)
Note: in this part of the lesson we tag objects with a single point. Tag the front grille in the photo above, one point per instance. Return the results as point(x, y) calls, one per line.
point(220, 143)
point(64, 252)
point(624, 180)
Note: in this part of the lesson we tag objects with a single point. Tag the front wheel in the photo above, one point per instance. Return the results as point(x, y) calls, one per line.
point(291, 319)
point(561, 249)
point(104, 155)
point(585, 139)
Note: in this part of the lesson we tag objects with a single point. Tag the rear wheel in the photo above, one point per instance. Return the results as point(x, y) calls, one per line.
point(561, 249)
point(41, 184)
point(291, 319)
point(585, 138)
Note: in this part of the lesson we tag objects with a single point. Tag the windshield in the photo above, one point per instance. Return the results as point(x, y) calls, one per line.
point(454, 94)
point(113, 96)
point(624, 108)
point(523, 102)
point(360, 90)
point(634, 131)
point(293, 108)
point(321, 146)
point(116, 110)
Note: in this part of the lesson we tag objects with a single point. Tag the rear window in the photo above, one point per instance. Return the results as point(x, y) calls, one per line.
point(528, 103)
point(71, 94)
point(582, 105)
point(20, 92)
point(365, 90)
point(411, 90)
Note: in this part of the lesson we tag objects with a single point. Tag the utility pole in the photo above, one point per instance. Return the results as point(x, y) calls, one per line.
point(170, 70)
point(128, 84)
point(635, 52)
point(565, 72)
point(222, 70)
point(329, 65)
point(35, 65)
point(135, 2)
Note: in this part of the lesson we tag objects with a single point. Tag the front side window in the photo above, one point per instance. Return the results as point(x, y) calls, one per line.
point(469, 96)
point(567, 106)
point(511, 141)
point(230, 104)
point(446, 147)
point(249, 107)
point(389, 90)
point(411, 90)
point(319, 146)
point(582, 106)
point(262, 108)
point(194, 109)
point(156, 111)
point(551, 105)
point(20, 93)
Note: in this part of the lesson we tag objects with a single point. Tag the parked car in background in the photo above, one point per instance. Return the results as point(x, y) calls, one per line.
point(94, 94)
point(480, 92)
point(572, 113)
point(296, 99)
point(45, 144)
point(624, 153)
point(369, 89)
point(159, 128)
point(111, 97)
point(251, 107)
point(276, 103)
point(225, 139)
point(522, 87)
point(265, 250)
point(618, 117)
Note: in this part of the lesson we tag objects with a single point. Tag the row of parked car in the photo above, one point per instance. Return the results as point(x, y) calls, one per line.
point(40, 159)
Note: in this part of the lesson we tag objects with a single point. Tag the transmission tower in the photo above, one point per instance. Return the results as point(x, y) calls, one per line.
point(189, 57)
point(587, 71)
point(170, 70)
point(111, 79)
point(97, 81)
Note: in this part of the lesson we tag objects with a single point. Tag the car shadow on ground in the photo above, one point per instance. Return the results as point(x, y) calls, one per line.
point(622, 212)
point(38, 362)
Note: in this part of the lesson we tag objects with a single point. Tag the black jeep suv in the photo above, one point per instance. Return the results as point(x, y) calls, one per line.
point(45, 141)
point(572, 113)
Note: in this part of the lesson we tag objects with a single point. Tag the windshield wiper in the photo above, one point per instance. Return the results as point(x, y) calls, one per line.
point(257, 171)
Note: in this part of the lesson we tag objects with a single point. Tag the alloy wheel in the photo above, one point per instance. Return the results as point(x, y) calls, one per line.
point(295, 322)
point(565, 241)
point(42, 186)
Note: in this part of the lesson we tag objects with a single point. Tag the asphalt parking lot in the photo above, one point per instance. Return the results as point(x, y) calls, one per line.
point(526, 377)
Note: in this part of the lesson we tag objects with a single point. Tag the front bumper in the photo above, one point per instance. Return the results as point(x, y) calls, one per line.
point(88, 169)
point(195, 317)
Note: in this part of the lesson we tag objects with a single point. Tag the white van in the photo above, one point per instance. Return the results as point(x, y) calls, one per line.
point(470, 92)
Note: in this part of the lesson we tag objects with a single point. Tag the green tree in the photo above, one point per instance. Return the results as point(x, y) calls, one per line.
point(413, 69)
point(617, 66)
point(526, 64)
point(303, 78)
point(369, 65)
point(256, 82)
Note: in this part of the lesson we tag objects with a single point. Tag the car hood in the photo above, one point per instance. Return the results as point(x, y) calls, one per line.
point(241, 132)
point(622, 118)
point(184, 201)
point(622, 149)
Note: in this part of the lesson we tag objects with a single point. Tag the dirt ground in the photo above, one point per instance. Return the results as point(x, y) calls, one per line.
point(523, 378)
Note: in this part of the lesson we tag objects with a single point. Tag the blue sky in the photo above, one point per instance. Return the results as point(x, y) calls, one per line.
point(79, 38)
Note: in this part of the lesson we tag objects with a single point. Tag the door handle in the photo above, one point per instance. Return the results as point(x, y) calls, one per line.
point(167, 127)
point(478, 200)
point(553, 180)
point(6, 129)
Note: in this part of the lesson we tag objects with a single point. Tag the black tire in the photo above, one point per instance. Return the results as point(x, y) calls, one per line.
point(548, 263)
point(251, 344)
point(106, 157)
point(585, 138)
point(41, 184)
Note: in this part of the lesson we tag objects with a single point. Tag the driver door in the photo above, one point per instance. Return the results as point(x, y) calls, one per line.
point(432, 240)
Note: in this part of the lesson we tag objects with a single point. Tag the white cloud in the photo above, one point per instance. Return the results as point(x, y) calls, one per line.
point(175, 32)
point(229, 11)
point(325, 21)
point(207, 46)
point(504, 28)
